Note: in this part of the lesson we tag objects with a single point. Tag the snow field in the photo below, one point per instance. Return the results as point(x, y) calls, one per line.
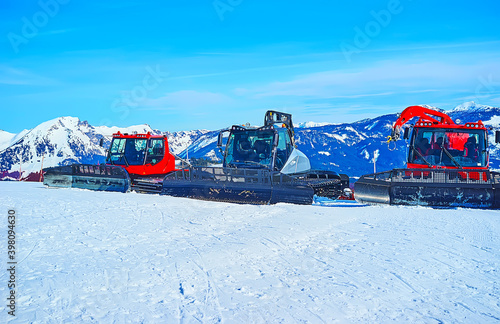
point(102, 257)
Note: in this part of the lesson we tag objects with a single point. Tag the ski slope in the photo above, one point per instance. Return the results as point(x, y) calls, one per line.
point(99, 257)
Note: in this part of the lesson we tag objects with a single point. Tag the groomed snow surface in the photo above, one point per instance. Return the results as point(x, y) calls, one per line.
point(98, 257)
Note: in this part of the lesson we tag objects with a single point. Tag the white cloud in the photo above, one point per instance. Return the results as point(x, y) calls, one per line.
point(186, 99)
point(15, 76)
point(382, 78)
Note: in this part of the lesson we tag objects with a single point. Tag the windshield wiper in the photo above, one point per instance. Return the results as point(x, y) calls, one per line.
point(451, 157)
point(110, 161)
point(422, 157)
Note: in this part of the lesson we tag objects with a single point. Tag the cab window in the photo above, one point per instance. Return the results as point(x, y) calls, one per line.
point(284, 149)
point(156, 151)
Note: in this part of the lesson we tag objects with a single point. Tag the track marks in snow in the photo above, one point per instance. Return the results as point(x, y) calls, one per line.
point(199, 298)
point(107, 257)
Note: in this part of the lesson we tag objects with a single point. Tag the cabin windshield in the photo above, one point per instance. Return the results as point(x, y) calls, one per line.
point(127, 151)
point(249, 149)
point(448, 147)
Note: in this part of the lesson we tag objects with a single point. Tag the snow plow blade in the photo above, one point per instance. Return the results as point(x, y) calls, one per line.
point(244, 186)
point(86, 176)
point(470, 188)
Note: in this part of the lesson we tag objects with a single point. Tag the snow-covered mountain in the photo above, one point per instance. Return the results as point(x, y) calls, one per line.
point(6, 139)
point(347, 148)
point(310, 124)
point(67, 140)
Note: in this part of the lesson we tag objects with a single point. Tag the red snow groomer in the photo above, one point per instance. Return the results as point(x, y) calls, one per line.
point(447, 165)
point(134, 161)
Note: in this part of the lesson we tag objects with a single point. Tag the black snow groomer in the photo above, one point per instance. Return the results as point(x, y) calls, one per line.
point(447, 166)
point(260, 166)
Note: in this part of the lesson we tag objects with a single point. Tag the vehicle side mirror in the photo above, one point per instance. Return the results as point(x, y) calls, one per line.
point(406, 134)
point(497, 137)
point(219, 140)
point(275, 140)
point(101, 142)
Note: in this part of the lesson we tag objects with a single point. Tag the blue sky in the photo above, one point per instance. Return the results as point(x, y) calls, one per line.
point(181, 65)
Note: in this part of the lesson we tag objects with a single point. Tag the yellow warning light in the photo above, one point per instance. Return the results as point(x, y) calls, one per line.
point(283, 125)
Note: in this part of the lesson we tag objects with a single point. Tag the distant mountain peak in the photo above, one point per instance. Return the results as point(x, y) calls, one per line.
point(311, 124)
point(471, 106)
point(5, 139)
point(110, 130)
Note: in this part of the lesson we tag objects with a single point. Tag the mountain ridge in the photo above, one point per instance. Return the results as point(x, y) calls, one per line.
point(353, 148)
